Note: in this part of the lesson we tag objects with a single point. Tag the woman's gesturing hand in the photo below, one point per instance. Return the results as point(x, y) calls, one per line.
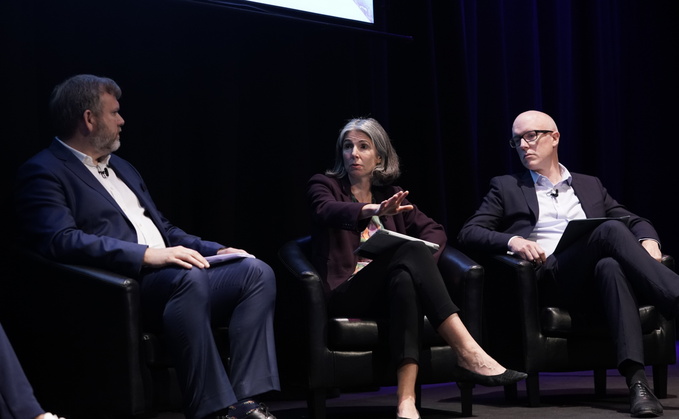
point(393, 205)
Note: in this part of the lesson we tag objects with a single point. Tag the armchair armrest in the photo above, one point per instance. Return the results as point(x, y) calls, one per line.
point(522, 272)
point(464, 280)
point(512, 308)
point(292, 255)
point(668, 261)
point(80, 324)
point(308, 298)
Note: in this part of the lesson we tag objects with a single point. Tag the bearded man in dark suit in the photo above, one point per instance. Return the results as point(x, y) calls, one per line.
point(79, 203)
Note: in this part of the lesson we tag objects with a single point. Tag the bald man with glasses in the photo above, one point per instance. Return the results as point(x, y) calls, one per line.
point(613, 267)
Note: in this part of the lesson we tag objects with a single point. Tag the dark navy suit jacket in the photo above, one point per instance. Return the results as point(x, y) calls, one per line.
point(511, 209)
point(67, 215)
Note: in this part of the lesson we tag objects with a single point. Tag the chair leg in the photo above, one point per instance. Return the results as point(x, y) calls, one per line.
point(533, 389)
point(660, 381)
point(316, 403)
point(600, 382)
point(466, 398)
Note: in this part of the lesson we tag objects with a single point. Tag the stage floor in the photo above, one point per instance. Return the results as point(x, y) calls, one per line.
point(563, 395)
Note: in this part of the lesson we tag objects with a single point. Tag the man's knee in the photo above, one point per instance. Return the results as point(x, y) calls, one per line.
point(261, 271)
point(609, 276)
point(260, 276)
point(195, 282)
point(607, 267)
point(613, 230)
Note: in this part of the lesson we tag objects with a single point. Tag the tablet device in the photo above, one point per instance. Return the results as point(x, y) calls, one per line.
point(577, 228)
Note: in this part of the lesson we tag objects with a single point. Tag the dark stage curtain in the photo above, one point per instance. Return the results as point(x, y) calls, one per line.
point(606, 70)
point(229, 112)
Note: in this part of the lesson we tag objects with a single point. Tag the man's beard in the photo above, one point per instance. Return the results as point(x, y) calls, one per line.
point(105, 142)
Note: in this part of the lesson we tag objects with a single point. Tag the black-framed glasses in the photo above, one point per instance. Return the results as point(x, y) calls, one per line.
point(529, 136)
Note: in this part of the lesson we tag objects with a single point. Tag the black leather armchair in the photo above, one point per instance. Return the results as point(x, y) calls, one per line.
point(333, 353)
point(78, 334)
point(528, 331)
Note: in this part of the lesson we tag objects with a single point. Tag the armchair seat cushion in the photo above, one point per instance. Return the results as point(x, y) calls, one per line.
point(351, 334)
point(557, 322)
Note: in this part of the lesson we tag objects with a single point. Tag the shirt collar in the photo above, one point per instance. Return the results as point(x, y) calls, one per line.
point(84, 158)
point(539, 179)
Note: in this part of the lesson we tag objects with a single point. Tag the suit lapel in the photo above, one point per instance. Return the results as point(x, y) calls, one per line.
point(582, 191)
point(528, 189)
point(123, 173)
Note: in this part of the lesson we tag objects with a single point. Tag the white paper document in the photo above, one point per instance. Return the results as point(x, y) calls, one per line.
point(383, 240)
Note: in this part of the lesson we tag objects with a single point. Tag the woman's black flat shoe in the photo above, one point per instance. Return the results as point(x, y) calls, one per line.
point(506, 378)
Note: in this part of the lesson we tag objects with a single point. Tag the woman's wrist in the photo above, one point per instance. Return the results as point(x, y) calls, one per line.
point(370, 210)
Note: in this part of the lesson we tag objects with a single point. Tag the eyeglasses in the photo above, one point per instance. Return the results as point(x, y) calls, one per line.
point(529, 136)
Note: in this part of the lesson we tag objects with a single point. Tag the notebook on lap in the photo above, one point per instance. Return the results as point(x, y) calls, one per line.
point(383, 240)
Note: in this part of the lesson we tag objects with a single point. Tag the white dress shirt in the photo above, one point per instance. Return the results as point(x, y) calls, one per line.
point(558, 205)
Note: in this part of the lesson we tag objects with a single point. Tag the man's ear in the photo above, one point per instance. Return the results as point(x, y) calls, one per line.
point(555, 136)
point(88, 120)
